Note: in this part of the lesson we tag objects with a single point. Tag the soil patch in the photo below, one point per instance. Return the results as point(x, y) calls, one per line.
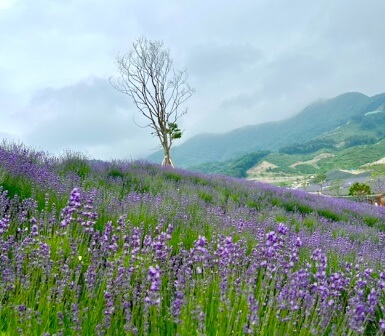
point(380, 161)
point(262, 167)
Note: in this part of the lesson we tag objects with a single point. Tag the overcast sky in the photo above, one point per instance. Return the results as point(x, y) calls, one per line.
point(250, 61)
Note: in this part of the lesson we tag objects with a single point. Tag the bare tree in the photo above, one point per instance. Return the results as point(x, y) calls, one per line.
point(157, 90)
point(320, 179)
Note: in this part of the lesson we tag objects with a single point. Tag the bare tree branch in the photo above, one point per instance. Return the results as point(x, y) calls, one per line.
point(157, 90)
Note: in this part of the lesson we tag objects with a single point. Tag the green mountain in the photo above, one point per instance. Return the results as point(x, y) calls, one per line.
point(360, 141)
point(317, 119)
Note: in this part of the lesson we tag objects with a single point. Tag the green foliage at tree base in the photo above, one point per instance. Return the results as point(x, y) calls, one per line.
point(359, 189)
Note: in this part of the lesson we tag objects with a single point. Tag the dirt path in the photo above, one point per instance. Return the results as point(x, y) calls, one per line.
point(314, 161)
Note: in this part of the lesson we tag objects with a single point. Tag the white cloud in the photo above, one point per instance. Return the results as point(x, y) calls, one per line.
point(89, 116)
point(250, 62)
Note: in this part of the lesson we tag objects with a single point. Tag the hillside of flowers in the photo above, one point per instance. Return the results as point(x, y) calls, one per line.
point(131, 248)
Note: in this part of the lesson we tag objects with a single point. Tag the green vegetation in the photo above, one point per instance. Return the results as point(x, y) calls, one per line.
point(357, 140)
point(235, 168)
point(309, 147)
point(74, 163)
point(359, 190)
point(354, 157)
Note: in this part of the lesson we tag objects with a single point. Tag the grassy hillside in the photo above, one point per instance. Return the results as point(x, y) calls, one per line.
point(350, 158)
point(315, 120)
point(354, 157)
point(130, 248)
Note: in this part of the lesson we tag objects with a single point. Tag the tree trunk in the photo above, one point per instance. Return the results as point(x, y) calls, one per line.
point(167, 162)
point(381, 200)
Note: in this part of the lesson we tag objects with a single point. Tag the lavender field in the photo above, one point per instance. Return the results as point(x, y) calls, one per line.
point(130, 248)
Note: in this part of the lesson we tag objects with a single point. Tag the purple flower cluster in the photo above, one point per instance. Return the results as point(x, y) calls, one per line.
point(22, 162)
point(154, 279)
point(4, 224)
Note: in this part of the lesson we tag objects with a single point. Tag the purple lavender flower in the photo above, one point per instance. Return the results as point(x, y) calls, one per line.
point(201, 242)
point(177, 304)
point(298, 242)
point(45, 249)
point(271, 238)
point(153, 277)
point(75, 198)
point(382, 324)
point(252, 316)
point(21, 308)
point(4, 224)
point(109, 304)
point(34, 230)
point(282, 228)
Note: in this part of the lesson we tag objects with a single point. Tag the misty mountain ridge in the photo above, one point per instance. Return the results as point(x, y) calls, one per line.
point(315, 120)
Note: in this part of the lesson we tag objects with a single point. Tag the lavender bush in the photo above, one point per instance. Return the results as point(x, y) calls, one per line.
point(130, 248)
